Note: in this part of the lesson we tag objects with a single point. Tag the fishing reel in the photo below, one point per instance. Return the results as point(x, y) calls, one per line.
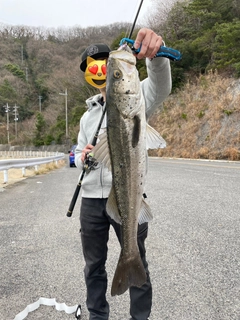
point(90, 163)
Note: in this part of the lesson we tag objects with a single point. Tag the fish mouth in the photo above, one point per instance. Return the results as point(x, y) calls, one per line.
point(124, 56)
point(99, 82)
point(126, 60)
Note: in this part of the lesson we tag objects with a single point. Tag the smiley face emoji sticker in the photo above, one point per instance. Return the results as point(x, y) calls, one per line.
point(95, 73)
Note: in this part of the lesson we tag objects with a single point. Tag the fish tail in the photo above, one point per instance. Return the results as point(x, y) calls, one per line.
point(129, 272)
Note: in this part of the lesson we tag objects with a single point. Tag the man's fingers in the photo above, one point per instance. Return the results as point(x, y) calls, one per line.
point(154, 46)
point(140, 36)
point(85, 151)
point(149, 41)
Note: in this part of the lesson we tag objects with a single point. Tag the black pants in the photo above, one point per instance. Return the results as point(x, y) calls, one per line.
point(95, 224)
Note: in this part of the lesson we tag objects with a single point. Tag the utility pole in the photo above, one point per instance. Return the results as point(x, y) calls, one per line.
point(40, 106)
point(22, 53)
point(26, 74)
point(66, 111)
point(15, 118)
point(7, 109)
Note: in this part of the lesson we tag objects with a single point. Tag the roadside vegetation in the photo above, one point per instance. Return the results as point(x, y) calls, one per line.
point(200, 119)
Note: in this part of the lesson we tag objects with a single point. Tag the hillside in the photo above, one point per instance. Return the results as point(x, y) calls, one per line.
point(36, 65)
point(202, 120)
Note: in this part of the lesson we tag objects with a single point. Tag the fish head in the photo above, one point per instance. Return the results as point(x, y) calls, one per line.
point(123, 84)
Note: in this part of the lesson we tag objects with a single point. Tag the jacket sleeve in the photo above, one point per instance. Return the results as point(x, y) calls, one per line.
point(157, 86)
point(82, 142)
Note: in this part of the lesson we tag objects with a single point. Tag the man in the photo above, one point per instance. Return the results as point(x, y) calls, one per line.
point(96, 185)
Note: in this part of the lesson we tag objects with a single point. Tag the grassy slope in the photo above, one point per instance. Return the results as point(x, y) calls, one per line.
point(202, 121)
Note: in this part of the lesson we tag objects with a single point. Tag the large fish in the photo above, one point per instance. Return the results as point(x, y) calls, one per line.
point(123, 150)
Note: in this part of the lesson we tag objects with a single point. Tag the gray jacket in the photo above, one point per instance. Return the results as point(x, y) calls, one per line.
point(156, 88)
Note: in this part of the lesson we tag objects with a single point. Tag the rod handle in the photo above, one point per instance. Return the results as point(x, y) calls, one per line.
point(75, 195)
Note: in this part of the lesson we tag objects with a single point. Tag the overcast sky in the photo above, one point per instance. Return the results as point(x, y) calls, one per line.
point(68, 13)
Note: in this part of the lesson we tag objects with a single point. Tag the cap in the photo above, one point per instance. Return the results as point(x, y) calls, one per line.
point(95, 51)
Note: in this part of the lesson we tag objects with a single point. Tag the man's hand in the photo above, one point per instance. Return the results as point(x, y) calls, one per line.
point(85, 151)
point(150, 42)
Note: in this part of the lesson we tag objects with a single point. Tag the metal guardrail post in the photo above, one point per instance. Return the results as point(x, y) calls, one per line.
point(5, 176)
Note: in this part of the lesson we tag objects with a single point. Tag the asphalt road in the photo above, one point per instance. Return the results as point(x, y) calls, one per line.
point(193, 247)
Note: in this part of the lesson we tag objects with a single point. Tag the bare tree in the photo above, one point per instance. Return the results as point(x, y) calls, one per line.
point(159, 14)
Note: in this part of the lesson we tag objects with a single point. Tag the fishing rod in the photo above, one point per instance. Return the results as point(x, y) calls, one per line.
point(135, 20)
point(86, 166)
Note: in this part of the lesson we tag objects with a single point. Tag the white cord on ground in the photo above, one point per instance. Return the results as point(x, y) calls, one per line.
point(47, 302)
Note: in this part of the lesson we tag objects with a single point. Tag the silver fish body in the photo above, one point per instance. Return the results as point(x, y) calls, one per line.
point(123, 150)
point(126, 126)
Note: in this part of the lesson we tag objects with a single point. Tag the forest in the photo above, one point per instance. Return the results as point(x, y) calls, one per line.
point(39, 67)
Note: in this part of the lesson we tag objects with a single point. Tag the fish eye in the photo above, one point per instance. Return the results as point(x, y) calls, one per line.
point(117, 74)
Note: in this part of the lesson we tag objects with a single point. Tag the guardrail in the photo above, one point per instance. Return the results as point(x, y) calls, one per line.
point(26, 154)
point(28, 161)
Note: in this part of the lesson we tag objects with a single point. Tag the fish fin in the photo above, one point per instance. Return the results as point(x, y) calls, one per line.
point(153, 139)
point(112, 208)
point(129, 272)
point(101, 151)
point(145, 214)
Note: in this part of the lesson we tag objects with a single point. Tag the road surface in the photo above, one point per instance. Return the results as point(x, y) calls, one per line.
point(193, 247)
